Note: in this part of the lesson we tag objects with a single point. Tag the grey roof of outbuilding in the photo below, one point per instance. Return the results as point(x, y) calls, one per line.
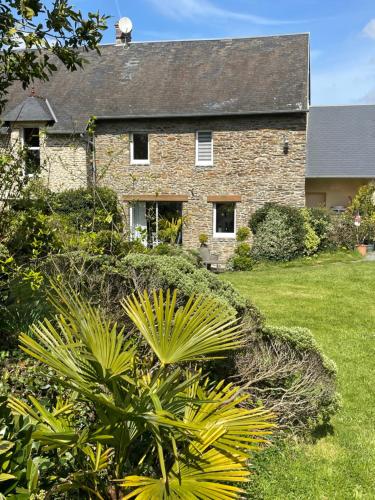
point(341, 141)
point(177, 79)
point(31, 109)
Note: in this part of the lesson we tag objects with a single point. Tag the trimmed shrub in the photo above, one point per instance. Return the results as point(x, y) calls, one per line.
point(285, 368)
point(241, 260)
point(293, 216)
point(106, 280)
point(241, 263)
point(275, 239)
point(191, 256)
point(243, 233)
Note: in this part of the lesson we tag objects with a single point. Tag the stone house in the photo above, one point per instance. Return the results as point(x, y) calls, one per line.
point(207, 129)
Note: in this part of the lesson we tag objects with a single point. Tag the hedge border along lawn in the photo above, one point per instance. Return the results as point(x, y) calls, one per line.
point(334, 296)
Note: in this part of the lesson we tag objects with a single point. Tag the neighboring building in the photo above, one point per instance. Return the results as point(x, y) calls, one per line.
point(340, 154)
point(208, 129)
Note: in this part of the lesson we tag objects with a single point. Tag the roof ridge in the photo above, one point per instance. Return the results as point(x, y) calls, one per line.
point(214, 39)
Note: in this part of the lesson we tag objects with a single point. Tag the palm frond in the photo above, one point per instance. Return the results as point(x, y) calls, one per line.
point(199, 329)
point(203, 480)
point(238, 430)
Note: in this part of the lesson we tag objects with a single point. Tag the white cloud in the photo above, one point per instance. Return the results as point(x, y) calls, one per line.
point(369, 29)
point(195, 10)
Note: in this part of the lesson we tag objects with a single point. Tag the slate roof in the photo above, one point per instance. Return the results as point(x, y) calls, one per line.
point(341, 141)
point(31, 109)
point(177, 79)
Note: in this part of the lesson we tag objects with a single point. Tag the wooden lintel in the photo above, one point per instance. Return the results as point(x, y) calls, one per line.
point(221, 198)
point(156, 197)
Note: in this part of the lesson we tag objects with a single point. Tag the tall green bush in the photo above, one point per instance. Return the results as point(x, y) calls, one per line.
point(93, 209)
point(275, 238)
point(364, 201)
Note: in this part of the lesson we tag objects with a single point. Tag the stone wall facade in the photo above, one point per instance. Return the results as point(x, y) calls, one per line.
point(65, 159)
point(66, 162)
point(250, 164)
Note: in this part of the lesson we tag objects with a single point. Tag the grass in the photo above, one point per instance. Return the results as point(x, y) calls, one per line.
point(332, 295)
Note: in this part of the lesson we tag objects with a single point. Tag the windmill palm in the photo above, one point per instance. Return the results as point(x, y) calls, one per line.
point(161, 428)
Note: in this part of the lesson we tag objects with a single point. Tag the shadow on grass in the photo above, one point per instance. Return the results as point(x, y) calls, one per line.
point(322, 431)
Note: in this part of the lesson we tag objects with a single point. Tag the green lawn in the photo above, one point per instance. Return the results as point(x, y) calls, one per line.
point(336, 300)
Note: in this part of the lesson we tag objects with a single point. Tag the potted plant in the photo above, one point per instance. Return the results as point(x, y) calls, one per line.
point(203, 239)
point(363, 233)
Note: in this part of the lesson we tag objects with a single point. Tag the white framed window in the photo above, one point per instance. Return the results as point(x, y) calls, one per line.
point(224, 222)
point(204, 147)
point(31, 143)
point(139, 148)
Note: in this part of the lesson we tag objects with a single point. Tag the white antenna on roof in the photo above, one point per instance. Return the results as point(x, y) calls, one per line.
point(126, 28)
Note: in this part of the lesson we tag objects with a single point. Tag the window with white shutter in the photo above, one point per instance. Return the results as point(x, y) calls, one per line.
point(204, 148)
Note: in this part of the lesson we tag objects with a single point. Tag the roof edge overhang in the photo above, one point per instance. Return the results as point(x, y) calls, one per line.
point(366, 176)
point(204, 115)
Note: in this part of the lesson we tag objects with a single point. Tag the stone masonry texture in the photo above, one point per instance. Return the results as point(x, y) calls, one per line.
point(65, 161)
point(249, 161)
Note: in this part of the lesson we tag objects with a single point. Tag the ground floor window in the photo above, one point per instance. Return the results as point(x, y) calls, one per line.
point(155, 222)
point(224, 220)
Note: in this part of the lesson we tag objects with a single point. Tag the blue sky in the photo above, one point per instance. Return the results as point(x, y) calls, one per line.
point(342, 33)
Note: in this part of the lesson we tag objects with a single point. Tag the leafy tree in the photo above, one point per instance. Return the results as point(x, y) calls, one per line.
point(158, 426)
point(43, 32)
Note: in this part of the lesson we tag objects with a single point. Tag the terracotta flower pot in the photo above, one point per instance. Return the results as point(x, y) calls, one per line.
point(362, 249)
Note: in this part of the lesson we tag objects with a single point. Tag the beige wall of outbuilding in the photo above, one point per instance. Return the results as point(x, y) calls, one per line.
point(337, 191)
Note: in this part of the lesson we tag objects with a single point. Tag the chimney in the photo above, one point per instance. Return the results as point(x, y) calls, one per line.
point(120, 36)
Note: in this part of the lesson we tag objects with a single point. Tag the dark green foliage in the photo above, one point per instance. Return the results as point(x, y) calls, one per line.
point(56, 29)
point(293, 216)
point(342, 232)
point(106, 280)
point(88, 209)
point(242, 263)
point(279, 232)
point(16, 455)
point(20, 375)
point(23, 304)
point(32, 235)
point(286, 368)
point(276, 240)
point(175, 251)
point(321, 220)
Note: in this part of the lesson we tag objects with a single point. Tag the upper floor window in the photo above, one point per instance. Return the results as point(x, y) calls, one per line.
point(225, 220)
point(204, 148)
point(31, 143)
point(139, 148)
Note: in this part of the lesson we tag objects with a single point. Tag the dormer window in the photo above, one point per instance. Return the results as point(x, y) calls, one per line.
point(139, 149)
point(31, 143)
